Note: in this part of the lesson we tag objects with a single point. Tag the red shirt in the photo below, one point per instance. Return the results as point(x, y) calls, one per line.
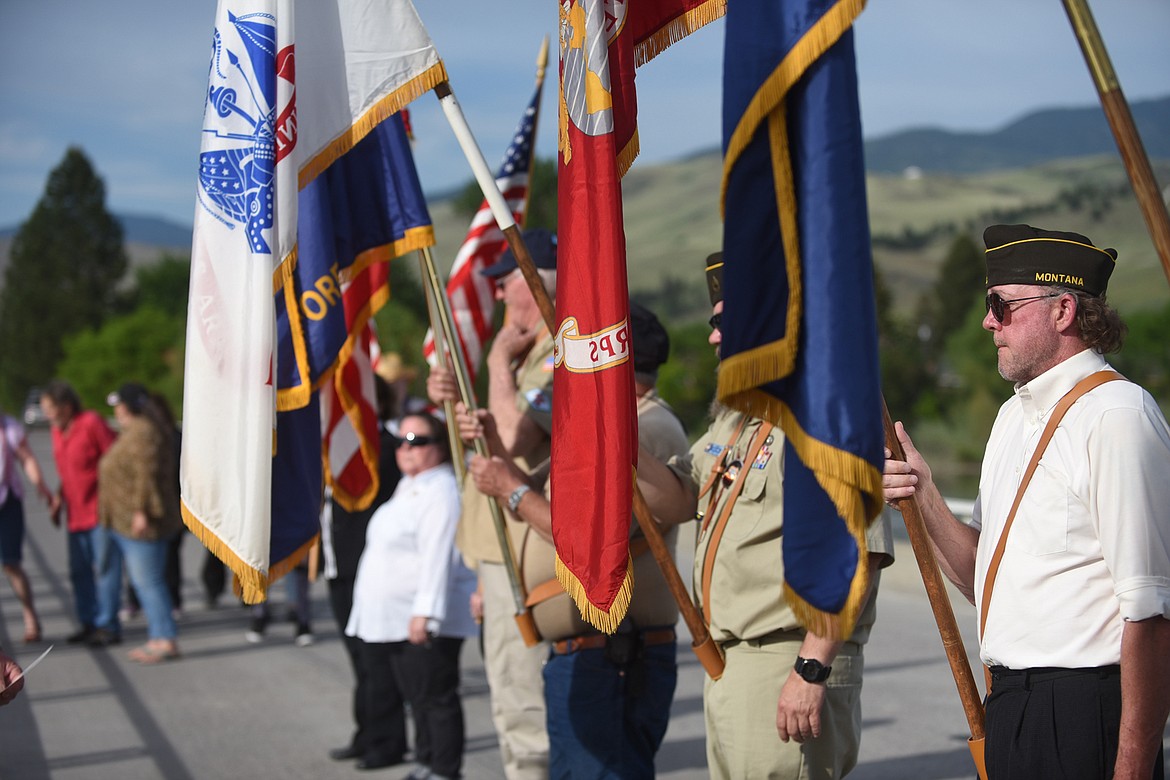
point(77, 451)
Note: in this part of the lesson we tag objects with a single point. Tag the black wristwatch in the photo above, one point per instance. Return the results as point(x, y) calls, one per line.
point(811, 670)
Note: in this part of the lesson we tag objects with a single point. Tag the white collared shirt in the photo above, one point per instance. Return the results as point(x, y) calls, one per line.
point(1090, 545)
point(410, 565)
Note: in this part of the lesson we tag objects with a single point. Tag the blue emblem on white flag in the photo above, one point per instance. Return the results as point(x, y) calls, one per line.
point(236, 178)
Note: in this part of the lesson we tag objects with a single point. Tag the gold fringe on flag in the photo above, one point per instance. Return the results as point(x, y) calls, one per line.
point(602, 620)
point(297, 397)
point(677, 29)
point(827, 31)
point(386, 107)
point(626, 156)
point(853, 485)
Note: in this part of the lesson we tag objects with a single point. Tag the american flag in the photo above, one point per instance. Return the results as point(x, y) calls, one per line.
point(472, 295)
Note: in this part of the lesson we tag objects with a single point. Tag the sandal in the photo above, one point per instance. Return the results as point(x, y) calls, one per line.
point(153, 654)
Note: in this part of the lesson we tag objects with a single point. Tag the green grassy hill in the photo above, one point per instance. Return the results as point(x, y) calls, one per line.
point(673, 222)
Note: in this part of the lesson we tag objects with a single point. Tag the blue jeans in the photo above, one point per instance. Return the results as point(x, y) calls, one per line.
point(606, 720)
point(84, 548)
point(146, 563)
point(108, 561)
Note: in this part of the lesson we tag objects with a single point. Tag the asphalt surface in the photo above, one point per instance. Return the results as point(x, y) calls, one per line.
point(230, 709)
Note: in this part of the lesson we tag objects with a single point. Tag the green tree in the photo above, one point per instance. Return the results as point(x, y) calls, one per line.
point(1145, 358)
point(687, 379)
point(145, 346)
point(945, 310)
point(65, 265)
point(163, 286)
point(542, 196)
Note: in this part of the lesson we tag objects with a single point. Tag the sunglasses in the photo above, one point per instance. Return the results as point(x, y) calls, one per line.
point(997, 305)
point(715, 321)
point(414, 440)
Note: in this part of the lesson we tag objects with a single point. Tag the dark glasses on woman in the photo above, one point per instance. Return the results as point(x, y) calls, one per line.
point(998, 305)
point(414, 440)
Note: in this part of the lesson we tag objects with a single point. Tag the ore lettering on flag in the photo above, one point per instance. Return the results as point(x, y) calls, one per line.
point(286, 123)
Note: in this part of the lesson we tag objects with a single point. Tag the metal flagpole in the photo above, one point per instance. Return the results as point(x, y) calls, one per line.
point(442, 358)
point(940, 603)
point(1129, 143)
point(445, 327)
point(701, 642)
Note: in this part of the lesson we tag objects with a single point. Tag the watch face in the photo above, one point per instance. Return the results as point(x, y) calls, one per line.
point(812, 670)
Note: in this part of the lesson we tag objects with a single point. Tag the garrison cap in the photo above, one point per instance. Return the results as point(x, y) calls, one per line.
point(1022, 254)
point(715, 277)
point(542, 245)
point(649, 341)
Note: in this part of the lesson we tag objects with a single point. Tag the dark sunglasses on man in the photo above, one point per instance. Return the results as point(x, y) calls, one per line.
point(998, 305)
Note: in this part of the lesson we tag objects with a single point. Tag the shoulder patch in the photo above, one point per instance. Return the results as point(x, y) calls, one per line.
point(539, 399)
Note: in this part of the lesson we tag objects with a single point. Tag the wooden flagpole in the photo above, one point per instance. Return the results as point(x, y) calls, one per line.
point(444, 327)
point(1129, 143)
point(701, 642)
point(940, 604)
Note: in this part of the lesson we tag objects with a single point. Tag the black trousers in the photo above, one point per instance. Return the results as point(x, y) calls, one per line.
point(1054, 723)
point(428, 676)
point(391, 734)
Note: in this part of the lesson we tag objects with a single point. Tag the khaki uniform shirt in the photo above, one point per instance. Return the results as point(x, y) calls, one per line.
point(652, 604)
point(476, 536)
point(747, 593)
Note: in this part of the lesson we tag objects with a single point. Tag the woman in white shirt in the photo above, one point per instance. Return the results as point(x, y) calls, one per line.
point(410, 600)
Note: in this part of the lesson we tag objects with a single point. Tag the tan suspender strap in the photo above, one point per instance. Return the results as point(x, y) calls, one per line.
point(1082, 387)
point(717, 532)
point(717, 465)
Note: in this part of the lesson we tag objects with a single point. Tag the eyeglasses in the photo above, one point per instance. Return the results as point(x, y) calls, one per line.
point(414, 440)
point(715, 321)
point(997, 305)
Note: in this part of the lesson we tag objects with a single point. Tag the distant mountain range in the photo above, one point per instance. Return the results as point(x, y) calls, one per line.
point(1036, 138)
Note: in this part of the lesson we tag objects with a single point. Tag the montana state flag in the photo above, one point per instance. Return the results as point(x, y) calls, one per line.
point(799, 332)
point(594, 448)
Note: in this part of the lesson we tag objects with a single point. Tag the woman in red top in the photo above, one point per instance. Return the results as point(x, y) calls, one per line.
point(80, 438)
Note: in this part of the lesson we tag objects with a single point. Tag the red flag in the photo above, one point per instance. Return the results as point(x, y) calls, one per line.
point(595, 446)
point(349, 408)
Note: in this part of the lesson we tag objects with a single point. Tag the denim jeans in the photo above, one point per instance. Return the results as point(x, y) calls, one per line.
point(606, 720)
point(146, 563)
point(83, 558)
point(108, 562)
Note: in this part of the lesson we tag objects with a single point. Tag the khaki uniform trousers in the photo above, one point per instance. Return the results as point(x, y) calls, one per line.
point(514, 675)
point(740, 713)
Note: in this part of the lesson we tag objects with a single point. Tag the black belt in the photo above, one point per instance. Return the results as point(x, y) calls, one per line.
point(1002, 677)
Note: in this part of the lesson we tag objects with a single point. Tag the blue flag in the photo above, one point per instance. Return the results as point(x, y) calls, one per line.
point(799, 329)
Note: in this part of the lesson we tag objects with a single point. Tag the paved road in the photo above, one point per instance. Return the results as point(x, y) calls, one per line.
point(230, 709)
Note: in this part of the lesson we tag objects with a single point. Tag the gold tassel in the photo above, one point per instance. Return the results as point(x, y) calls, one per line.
point(251, 582)
point(602, 620)
point(626, 157)
point(677, 29)
point(808, 49)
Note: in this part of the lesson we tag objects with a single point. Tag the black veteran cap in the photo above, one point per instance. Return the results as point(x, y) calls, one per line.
point(542, 245)
point(715, 277)
point(1022, 254)
point(648, 340)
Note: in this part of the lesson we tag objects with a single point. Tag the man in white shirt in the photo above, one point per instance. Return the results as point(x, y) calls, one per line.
point(1077, 631)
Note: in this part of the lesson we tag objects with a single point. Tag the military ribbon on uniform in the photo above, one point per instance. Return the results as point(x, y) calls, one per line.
point(594, 447)
point(799, 331)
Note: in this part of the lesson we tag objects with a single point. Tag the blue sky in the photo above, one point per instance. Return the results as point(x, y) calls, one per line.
point(124, 79)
